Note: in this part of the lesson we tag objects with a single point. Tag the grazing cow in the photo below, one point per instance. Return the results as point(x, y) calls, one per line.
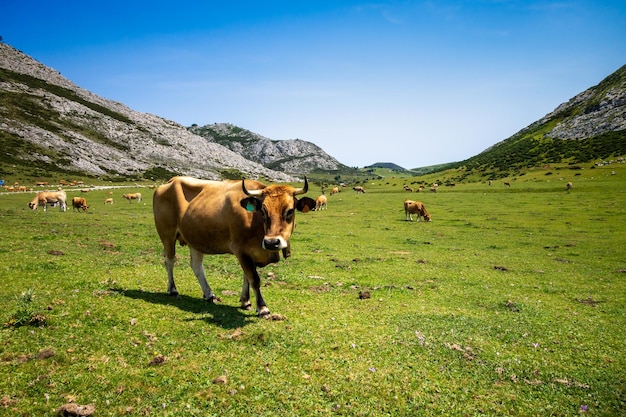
point(320, 202)
point(335, 190)
point(246, 218)
point(79, 203)
point(569, 186)
point(507, 184)
point(359, 190)
point(45, 198)
point(415, 207)
point(433, 189)
point(108, 201)
point(131, 197)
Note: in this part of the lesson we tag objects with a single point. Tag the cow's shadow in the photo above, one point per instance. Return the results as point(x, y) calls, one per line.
point(225, 316)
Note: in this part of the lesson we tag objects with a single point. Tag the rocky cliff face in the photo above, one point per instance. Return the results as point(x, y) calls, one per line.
point(595, 111)
point(47, 120)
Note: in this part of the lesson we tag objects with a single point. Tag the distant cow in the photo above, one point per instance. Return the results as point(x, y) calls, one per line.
point(507, 184)
point(45, 198)
point(79, 203)
point(108, 201)
point(359, 190)
point(335, 190)
point(433, 189)
point(320, 202)
point(415, 207)
point(246, 218)
point(131, 197)
point(569, 186)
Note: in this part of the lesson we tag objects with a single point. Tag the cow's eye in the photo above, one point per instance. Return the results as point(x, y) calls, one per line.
point(289, 215)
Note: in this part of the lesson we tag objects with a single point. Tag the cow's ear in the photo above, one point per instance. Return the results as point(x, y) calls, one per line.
point(305, 204)
point(251, 204)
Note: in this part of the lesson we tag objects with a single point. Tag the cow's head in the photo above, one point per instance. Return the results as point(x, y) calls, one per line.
point(33, 206)
point(277, 204)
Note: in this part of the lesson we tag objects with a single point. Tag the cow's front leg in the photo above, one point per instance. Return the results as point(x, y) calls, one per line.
point(251, 277)
point(198, 270)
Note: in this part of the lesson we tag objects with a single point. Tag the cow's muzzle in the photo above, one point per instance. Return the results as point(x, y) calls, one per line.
point(274, 243)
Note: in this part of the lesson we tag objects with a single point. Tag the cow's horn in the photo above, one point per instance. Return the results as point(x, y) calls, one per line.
point(303, 189)
point(252, 193)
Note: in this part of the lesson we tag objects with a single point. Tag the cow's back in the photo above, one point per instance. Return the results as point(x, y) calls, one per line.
point(202, 213)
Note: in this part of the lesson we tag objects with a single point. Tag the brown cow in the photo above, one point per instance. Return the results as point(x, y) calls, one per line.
point(415, 207)
point(359, 189)
point(79, 203)
point(320, 202)
point(335, 190)
point(131, 197)
point(45, 198)
point(569, 186)
point(246, 218)
point(108, 201)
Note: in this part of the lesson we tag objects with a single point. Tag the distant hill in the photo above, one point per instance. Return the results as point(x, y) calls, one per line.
point(386, 165)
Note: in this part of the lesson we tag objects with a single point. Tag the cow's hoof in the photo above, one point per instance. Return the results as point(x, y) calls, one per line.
point(246, 306)
point(264, 312)
point(213, 299)
point(173, 293)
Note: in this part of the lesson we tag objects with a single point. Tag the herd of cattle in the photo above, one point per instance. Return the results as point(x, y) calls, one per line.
point(246, 218)
point(59, 198)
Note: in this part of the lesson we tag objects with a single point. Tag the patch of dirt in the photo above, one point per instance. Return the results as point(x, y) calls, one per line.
point(6, 402)
point(56, 252)
point(589, 301)
point(223, 379)
point(275, 317)
point(157, 360)
point(322, 288)
point(468, 352)
point(511, 306)
point(72, 409)
point(45, 354)
point(105, 244)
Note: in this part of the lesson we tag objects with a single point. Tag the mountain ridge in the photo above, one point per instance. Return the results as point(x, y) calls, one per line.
point(49, 120)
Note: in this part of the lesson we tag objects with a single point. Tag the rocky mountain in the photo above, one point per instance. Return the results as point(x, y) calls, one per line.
point(294, 155)
point(590, 126)
point(48, 124)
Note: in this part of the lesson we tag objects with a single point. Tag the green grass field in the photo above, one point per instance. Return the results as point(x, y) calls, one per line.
point(512, 301)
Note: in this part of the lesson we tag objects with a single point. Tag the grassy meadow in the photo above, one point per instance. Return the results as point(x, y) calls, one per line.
point(512, 301)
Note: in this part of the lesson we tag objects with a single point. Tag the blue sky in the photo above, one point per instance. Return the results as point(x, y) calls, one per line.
point(411, 82)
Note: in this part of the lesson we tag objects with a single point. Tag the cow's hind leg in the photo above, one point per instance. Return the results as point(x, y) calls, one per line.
point(169, 253)
point(198, 270)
